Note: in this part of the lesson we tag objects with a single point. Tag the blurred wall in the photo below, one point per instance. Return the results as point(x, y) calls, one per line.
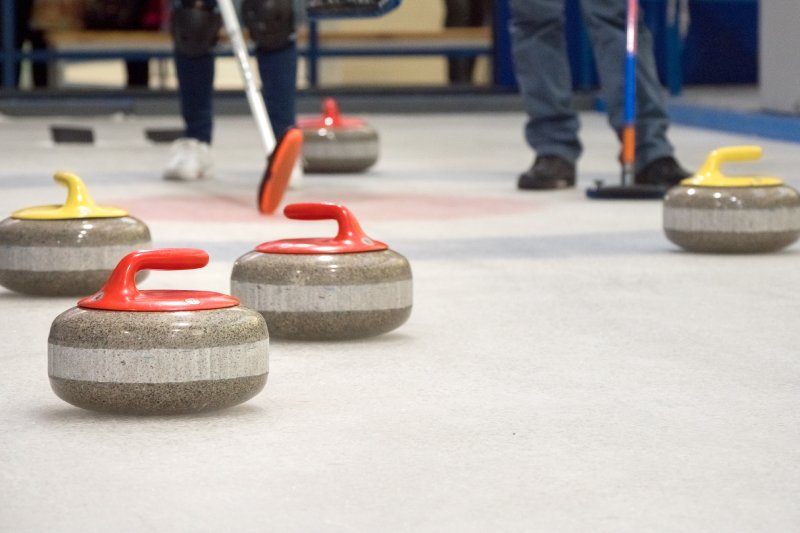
point(412, 15)
point(779, 72)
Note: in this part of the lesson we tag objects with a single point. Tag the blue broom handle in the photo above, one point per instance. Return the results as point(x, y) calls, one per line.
point(630, 63)
point(629, 109)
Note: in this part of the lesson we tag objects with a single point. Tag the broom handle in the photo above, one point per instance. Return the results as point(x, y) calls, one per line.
point(629, 112)
point(254, 98)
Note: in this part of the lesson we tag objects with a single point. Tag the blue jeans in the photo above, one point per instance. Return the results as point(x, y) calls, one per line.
point(278, 72)
point(542, 69)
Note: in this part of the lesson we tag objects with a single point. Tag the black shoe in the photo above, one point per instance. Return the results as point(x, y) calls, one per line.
point(664, 171)
point(548, 172)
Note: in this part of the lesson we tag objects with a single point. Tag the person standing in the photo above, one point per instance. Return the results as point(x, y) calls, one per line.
point(195, 26)
point(542, 70)
point(465, 14)
point(23, 32)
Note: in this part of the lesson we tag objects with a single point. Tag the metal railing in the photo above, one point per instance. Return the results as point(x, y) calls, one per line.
point(313, 52)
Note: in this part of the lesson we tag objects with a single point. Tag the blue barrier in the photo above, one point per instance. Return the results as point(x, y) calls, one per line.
point(10, 56)
point(731, 56)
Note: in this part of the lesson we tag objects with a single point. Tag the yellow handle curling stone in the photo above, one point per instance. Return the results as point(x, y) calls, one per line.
point(69, 249)
point(711, 212)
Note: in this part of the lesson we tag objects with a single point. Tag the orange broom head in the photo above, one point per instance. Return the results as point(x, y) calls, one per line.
point(279, 170)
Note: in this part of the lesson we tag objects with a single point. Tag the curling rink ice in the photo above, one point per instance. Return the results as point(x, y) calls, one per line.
point(565, 367)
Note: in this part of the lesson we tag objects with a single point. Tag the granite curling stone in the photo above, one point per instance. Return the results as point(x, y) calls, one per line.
point(345, 287)
point(714, 213)
point(66, 250)
point(157, 352)
point(333, 143)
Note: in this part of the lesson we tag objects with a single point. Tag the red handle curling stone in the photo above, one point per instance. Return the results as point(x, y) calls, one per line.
point(349, 239)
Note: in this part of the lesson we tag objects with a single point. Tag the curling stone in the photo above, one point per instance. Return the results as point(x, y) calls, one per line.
point(345, 287)
point(333, 143)
point(157, 352)
point(714, 213)
point(66, 250)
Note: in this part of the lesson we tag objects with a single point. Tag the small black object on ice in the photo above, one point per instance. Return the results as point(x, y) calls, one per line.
point(71, 134)
point(626, 192)
point(163, 135)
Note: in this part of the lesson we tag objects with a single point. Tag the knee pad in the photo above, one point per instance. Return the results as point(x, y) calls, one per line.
point(195, 30)
point(270, 22)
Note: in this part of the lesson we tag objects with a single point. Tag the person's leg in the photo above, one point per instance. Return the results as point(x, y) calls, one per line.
point(606, 21)
point(278, 72)
point(194, 30)
point(459, 14)
point(22, 16)
point(195, 87)
point(138, 73)
point(40, 69)
point(272, 27)
point(542, 70)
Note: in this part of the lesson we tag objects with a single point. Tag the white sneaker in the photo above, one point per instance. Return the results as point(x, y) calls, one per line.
point(189, 160)
point(296, 179)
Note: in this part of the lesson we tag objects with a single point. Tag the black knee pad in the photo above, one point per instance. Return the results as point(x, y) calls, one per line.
point(195, 30)
point(270, 22)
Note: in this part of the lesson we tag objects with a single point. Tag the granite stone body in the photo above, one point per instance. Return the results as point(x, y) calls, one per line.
point(732, 219)
point(326, 297)
point(156, 363)
point(337, 149)
point(71, 257)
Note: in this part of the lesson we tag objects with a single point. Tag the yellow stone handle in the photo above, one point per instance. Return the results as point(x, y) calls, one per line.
point(79, 203)
point(710, 174)
point(78, 198)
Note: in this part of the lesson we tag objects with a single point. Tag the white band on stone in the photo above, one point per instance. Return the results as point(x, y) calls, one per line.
point(64, 258)
point(108, 365)
point(324, 298)
point(732, 220)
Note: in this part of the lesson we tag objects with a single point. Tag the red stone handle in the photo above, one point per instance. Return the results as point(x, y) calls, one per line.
point(122, 281)
point(349, 228)
point(330, 112)
point(120, 292)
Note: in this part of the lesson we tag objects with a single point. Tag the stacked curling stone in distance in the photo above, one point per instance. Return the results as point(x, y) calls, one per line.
point(714, 213)
point(157, 352)
point(345, 287)
point(333, 143)
point(66, 250)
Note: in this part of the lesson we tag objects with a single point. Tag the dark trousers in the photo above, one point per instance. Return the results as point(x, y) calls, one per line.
point(22, 33)
point(138, 73)
point(542, 70)
point(278, 72)
point(465, 14)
